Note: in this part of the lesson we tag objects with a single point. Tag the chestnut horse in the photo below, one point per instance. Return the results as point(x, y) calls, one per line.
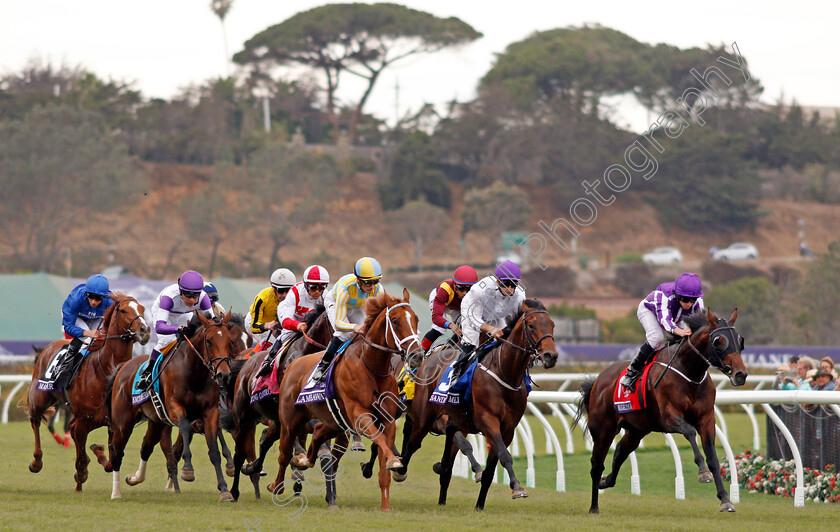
point(246, 415)
point(123, 324)
point(365, 391)
point(680, 398)
point(190, 393)
point(499, 397)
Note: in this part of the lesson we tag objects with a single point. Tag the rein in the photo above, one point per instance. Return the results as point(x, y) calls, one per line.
point(532, 349)
point(313, 342)
point(125, 336)
point(399, 342)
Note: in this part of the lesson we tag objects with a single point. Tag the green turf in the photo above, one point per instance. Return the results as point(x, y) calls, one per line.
point(46, 501)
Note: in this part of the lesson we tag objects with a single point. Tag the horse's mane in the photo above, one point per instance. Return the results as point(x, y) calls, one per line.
point(116, 297)
point(514, 317)
point(236, 319)
point(696, 322)
point(374, 305)
point(310, 317)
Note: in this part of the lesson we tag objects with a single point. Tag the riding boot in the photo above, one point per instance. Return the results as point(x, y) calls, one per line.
point(268, 361)
point(65, 372)
point(320, 372)
point(429, 339)
point(145, 381)
point(636, 366)
point(462, 363)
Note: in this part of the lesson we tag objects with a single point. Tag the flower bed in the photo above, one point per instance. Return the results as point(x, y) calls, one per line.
point(759, 475)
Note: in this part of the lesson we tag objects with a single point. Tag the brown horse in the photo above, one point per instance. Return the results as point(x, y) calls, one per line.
point(499, 397)
point(189, 392)
point(123, 324)
point(245, 415)
point(680, 399)
point(365, 390)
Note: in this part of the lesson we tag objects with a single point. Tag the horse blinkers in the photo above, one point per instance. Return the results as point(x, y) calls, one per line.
point(720, 340)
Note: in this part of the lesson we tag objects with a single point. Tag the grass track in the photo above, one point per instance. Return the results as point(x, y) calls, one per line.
point(46, 501)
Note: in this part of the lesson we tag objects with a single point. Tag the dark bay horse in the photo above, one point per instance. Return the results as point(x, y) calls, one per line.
point(499, 397)
point(366, 393)
point(682, 402)
point(190, 392)
point(123, 324)
point(246, 415)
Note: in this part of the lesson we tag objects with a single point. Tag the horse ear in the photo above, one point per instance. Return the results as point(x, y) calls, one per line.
point(406, 294)
point(201, 317)
point(227, 317)
point(710, 316)
point(734, 315)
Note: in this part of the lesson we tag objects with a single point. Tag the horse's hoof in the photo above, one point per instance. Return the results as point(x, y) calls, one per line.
point(437, 467)
point(263, 473)
point(479, 508)
point(594, 511)
point(235, 495)
point(519, 493)
point(300, 461)
point(116, 497)
point(187, 475)
point(399, 477)
point(727, 507)
point(324, 452)
point(367, 469)
point(230, 471)
point(248, 469)
point(358, 447)
point(35, 466)
point(131, 480)
point(332, 507)
point(705, 478)
point(271, 487)
point(297, 475)
point(226, 496)
point(393, 463)
point(478, 477)
point(169, 488)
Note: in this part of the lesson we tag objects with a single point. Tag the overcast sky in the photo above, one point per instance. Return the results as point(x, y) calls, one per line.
point(165, 45)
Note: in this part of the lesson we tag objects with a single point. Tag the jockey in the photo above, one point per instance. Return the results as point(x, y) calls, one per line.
point(663, 310)
point(263, 312)
point(445, 297)
point(213, 293)
point(81, 317)
point(485, 309)
point(301, 300)
point(171, 314)
point(345, 307)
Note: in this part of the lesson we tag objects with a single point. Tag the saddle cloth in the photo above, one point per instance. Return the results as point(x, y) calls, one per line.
point(626, 401)
point(262, 387)
point(47, 382)
point(447, 393)
point(139, 396)
point(314, 392)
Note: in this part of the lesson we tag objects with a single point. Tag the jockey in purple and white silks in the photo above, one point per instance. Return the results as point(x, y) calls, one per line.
point(663, 310)
point(485, 309)
point(171, 313)
point(81, 317)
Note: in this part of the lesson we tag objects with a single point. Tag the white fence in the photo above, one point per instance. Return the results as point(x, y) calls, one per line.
point(563, 405)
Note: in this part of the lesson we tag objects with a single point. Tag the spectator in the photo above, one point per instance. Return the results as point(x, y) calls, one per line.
point(827, 364)
point(785, 379)
point(806, 364)
point(793, 362)
point(807, 380)
point(822, 381)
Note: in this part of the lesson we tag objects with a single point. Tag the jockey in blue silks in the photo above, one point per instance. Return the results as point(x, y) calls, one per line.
point(81, 317)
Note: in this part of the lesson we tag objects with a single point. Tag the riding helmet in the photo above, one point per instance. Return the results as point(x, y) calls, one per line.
point(368, 269)
point(465, 275)
point(191, 281)
point(283, 278)
point(688, 285)
point(97, 284)
point(316, 275)
point(508, 271)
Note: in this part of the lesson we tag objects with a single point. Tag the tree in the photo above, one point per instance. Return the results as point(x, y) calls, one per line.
point(817, 298)
point(415, 175)
point(420, 223)
point(756, 299)
point(495, 209)
point(60, 167)
point(221, 9)
point(359, 39)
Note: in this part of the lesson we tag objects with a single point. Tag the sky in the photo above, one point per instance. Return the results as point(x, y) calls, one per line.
point(163, 46)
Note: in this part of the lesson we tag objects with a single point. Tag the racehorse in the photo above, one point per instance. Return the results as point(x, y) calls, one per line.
point(680, 399)
point(189, 392)
point(246, 415)
point(123, 324)
point(64, 441)
point(365, 393)
point(499, 397)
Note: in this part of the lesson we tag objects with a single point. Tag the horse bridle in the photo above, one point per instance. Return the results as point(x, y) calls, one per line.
point(714, 355)
point(128, 334)
point(397, 341)
point(532, 349)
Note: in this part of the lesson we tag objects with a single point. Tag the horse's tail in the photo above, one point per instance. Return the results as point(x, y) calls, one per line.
point(586, 392)
point(227, 383)
point(109, 386)
point(226, 419)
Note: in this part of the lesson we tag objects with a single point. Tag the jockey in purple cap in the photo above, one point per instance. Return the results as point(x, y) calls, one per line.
point(663, 310)
point(171, 314)
point(485, 308)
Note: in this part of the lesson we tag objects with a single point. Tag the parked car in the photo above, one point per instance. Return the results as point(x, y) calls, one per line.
point(737, 251)
point(663, 256)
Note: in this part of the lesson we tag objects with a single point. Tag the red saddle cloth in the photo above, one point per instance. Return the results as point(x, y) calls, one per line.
point(631, 401)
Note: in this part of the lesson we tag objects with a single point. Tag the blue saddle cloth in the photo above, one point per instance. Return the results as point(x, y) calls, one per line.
point(315, 392)
point(138, 396)
point(461, 391)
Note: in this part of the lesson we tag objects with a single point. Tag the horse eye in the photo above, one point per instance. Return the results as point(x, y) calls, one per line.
point(721, 342)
